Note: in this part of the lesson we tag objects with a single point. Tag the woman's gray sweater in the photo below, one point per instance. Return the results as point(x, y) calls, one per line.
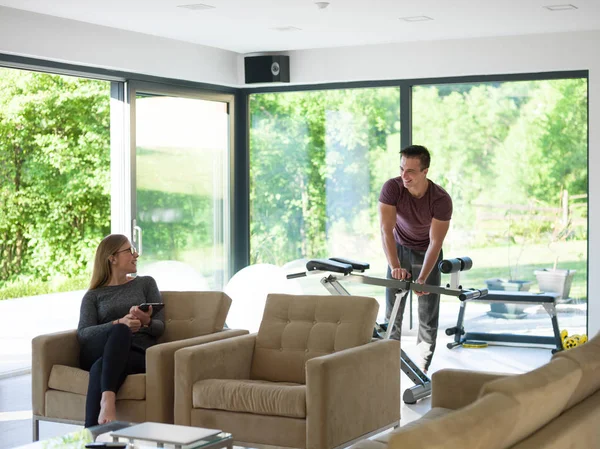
point(101, 306)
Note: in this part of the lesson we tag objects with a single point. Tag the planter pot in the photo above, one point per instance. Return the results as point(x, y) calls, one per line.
point(507, 310)
point(558, 281)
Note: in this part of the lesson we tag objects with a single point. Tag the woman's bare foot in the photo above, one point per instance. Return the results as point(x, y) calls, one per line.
point(108, 409)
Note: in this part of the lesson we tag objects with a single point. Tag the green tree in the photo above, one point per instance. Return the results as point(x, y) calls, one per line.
point(317, 162)
point(54, 173)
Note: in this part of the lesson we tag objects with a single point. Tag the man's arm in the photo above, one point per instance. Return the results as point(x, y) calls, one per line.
point(437, 234)
point(387, 222)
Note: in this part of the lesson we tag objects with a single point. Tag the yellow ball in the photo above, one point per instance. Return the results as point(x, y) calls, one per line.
point(570, 343)
point(564, 334)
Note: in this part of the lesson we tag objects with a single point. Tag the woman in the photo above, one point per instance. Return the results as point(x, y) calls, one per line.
point(113, 332)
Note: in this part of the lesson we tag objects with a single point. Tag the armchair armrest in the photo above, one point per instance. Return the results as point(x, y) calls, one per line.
point(454, 389)
point(160, 373)
point(225, 359)
point(352, 392)
point(60, 348)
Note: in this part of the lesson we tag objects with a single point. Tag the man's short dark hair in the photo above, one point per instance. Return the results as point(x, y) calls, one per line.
point(417, 151)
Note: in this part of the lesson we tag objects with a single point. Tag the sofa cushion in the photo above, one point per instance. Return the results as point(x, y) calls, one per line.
point(251, 396)
point(480, 425)
point(75, 380)
point(542, 395)
point(576, 428)
point(296, 328)
point(587, 356)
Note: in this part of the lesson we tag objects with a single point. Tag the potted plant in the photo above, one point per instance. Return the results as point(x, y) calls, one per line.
point(554, 279)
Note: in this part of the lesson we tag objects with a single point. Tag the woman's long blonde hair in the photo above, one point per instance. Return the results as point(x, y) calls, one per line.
point(102, 269)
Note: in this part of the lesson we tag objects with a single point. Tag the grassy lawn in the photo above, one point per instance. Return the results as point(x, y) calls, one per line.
point(487, 263)
point(492, 263)
point(34, 287)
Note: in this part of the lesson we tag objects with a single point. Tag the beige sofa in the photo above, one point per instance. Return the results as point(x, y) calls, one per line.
point(556, 406)
point(59, 386)
point(310, 378)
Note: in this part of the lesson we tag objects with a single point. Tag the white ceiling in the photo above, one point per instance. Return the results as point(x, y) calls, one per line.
point(247, 26)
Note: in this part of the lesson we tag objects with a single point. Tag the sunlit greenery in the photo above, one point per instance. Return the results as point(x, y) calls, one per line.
point(508, 153)
point(54, 179)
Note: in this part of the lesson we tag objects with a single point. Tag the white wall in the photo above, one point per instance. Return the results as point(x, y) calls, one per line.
point(483, 56)
point(45, 37)
point(41, 36)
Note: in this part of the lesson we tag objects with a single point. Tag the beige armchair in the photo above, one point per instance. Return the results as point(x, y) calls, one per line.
point(59, 386)
point(311, 377)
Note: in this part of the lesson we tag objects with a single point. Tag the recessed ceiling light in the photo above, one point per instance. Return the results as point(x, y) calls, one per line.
point(416, 19)
point(287, 28)
point(196, 6)
point(560, 7)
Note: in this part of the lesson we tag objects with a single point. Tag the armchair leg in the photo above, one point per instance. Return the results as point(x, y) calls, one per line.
point(36, 428)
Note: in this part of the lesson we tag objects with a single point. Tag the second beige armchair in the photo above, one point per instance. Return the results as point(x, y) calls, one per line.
point(311, 377)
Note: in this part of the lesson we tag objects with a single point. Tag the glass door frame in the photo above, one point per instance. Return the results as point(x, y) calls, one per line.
point(126, 176)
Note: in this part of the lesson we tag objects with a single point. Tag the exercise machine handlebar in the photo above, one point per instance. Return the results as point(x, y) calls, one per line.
point(473, 293)
point(347, 267)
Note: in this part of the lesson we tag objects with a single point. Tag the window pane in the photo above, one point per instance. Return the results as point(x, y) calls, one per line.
point(181, 190)
point(54, 202)
point(513, 156)
point(317, 163)
point(54, 180)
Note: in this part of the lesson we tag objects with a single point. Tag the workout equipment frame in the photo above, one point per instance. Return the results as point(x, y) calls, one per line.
point(347, 269)
point(547, 300)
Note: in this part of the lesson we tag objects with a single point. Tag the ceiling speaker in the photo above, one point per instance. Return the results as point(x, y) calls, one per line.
point(267, 69)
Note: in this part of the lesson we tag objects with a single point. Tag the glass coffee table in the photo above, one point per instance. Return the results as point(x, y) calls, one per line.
point(146, 436)
point(180, 437)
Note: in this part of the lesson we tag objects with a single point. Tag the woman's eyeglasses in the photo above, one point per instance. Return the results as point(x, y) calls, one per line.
point(131, 249)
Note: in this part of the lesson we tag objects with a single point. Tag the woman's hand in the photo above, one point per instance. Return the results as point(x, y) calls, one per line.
point(131, 322)
point(144, 317)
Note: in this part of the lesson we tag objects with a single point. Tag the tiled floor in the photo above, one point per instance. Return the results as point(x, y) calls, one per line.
point(15, 392)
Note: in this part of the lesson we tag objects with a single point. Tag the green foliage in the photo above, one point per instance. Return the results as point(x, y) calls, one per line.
point(54, 174)
point(318, 160)
point(29, 286)
point(174, 220)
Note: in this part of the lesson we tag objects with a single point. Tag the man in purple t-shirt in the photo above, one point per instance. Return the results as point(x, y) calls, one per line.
point(414, 215)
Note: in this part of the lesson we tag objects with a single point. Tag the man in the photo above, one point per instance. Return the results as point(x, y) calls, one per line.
point(414, 216)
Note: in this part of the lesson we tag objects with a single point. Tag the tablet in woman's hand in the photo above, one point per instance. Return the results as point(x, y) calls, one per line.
point(156, 306)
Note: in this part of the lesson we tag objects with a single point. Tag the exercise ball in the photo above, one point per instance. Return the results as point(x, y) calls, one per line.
point(248, 289)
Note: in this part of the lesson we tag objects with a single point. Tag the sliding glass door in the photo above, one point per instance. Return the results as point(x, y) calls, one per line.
point(181, 144)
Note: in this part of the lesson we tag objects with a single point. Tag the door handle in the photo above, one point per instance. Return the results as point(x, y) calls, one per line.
point(137, 231)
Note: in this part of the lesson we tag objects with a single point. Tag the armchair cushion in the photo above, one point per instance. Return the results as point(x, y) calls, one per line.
point(194, 314)
point(75, 380)
point(295, 329)
point(251, 396)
